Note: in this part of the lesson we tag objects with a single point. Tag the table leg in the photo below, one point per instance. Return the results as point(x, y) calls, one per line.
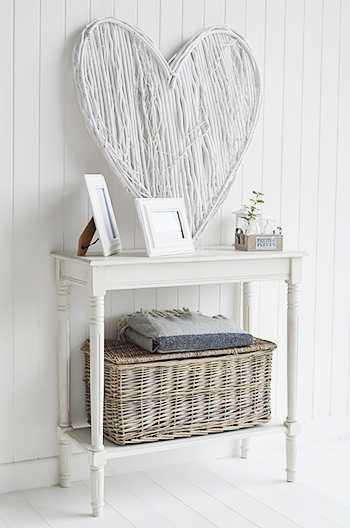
point(97, 454)
point(248, 306)
point(63, 291)
point(293, 427)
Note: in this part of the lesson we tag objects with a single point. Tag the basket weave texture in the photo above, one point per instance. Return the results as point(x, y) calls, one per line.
point(148, 398)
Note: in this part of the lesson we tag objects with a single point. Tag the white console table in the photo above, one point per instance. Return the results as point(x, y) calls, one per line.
point(133, 270)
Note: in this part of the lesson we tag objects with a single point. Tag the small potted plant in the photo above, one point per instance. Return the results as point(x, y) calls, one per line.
point(252, 211)
point(254, 234)
point(247, 214)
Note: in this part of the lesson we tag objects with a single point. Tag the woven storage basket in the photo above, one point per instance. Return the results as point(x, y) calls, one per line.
point(151, 397)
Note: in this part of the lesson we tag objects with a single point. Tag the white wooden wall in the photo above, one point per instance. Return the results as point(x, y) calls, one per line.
point(300, 159)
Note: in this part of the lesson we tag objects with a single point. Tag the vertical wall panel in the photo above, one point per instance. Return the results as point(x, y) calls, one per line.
point(214, 14)
point(290, 169)
point(209, 296)
point(123, 303)
point(209, 299)
point(94, 159)
point(290, 162)
point(6, 197)
point(166, 298)
point(76, 157)
point(192, 23)
point(326, 208)
point(230, 301)
point(124, 209)
point(170, 40)
point(123, 202)
point(51, 165)
point(341, 287)
point(145, 299)
point(291, 145)
point(188, 297)
point(126, 11)
point(235, 15)
point(101, 8)
point(193, 18)
point(148, 18)
point(252, 165)
point(272, 116)
point(272, 108)
point(231, 297)
point(235, 18)
point(77, 140)
point(309, 168)
point(255, 36)
point(97, 163)
point(170, 29)
point(25, 264)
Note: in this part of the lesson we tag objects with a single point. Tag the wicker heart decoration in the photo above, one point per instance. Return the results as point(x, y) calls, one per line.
point(169, 129)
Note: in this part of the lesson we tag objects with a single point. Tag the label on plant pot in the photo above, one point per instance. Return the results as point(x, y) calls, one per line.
point(266, 242)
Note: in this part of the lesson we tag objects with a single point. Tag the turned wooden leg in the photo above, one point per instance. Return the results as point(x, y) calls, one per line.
point(248, 302)
point(293, 427)
point(97, 454)
point(65, 453)
point(64, 383)
point(248, 306)
point(245, 447)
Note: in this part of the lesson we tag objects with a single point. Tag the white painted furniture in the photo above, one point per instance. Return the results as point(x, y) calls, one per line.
point(132, 270)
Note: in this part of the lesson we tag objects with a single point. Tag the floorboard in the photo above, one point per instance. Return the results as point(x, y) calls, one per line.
point(70, 508)
point(14, 508)
point(198, 499)
point(325, 468)
point(234, 497)
point(220, 493)
point(329, 455)
point(341, 444)
point(309, 477)
point(164, 502)
point(135, 510)
point(300, 502)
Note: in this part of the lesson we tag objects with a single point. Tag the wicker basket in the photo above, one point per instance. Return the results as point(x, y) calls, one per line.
point(150, 397)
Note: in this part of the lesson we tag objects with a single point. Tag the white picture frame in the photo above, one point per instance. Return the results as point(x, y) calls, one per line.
point(103, 214)
point(165, 226)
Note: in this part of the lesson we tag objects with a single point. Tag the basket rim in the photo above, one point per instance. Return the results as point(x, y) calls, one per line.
point(133, 355)
point(187, 361)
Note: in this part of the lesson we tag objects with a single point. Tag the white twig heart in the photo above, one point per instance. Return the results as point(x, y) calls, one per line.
point(177, 129)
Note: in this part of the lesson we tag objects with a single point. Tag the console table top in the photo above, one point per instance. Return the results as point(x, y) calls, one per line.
point(214, 253)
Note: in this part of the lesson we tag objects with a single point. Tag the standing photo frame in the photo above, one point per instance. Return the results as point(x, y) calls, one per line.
point(103, 214)
point(165, 226)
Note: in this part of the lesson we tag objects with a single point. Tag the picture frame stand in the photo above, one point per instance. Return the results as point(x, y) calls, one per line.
point(103, 221)
point(86, 237)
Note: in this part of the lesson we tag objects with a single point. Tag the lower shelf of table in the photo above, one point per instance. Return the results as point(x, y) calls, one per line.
point(81, 438)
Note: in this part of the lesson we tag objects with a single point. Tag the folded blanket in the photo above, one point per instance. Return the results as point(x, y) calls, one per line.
point(182, 330)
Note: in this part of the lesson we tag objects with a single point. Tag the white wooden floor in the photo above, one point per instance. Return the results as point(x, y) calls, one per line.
point(222, 493)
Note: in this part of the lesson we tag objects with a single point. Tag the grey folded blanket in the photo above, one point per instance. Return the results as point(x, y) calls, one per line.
point(182, 330)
